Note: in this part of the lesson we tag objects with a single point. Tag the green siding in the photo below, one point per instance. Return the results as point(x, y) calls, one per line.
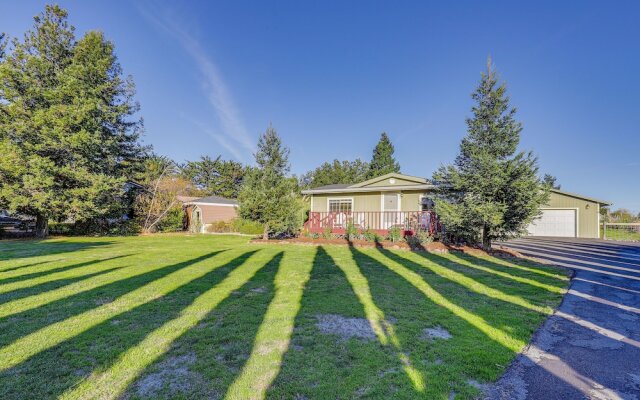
point(410, 201)
point(588, 212)
point(361, 201)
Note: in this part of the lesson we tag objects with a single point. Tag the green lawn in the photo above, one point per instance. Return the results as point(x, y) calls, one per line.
point(620, 233)
point(216, 317)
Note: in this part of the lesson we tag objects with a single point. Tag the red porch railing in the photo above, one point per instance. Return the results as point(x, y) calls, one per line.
point(409, 222)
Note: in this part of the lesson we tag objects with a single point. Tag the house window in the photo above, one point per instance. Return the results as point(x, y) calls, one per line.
point(340, 205)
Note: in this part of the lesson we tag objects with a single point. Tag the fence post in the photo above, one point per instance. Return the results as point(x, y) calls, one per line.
point(604, 234)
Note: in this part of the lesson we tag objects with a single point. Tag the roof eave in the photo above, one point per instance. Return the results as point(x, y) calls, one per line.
point(196, 203)
point(352, 189)
point(579, 196)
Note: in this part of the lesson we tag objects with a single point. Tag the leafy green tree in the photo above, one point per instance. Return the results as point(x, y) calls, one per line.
point(269, 195)
point(491, 191)
point(215, 176)
point(67, 137)
point(622, 215)
point(382, 161)
point(336, 172)
point(550, 181)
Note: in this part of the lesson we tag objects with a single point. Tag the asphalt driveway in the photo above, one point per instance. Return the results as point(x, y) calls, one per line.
point(590, 348)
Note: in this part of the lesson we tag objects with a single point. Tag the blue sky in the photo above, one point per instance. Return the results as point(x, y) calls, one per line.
point(330, 76)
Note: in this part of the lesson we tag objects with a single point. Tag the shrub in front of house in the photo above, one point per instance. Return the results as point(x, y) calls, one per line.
point(413, 241)
point(371, 236)
point(395, 234)
point(351, 232)
point(424, 237)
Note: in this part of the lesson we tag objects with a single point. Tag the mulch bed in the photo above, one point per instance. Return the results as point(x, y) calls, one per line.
point(433, 247)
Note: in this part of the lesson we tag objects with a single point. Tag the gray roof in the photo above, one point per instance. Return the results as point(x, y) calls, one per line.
point(215, 200)
point(334, 186)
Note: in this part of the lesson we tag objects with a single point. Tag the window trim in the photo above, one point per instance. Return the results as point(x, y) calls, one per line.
point(351, 199)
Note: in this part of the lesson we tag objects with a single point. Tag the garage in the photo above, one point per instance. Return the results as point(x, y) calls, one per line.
point(568, 215)
point(555, 222)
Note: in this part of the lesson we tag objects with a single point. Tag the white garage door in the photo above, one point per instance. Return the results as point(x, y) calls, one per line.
point(554, 223)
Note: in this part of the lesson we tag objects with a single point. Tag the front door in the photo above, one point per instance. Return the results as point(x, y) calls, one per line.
point(390, 206)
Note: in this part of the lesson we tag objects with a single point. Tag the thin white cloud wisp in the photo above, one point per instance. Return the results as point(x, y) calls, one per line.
point(234, 137)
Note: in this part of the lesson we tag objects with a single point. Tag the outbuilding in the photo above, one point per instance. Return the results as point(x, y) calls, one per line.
point(569, 215)
point(209, 210)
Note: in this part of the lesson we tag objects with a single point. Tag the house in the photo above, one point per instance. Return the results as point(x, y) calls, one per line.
point(378, 204)
point(406, 202)
point(201, 212)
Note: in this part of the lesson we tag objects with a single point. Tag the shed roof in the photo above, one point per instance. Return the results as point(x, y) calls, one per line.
point(214, 200)
point(334, 186)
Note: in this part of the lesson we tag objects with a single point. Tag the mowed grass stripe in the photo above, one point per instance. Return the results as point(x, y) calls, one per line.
point(74, 271)
point(29, 303)
point(112, 382)
point(506, 275)
point(274, 334)
point(47, 337)
point(491, 332)
point(470, 283)
point(383, 329)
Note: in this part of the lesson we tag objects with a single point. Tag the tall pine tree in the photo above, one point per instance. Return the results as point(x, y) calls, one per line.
point(382, 161)
point(268, 194)
point(492, 191)
point(67, 137)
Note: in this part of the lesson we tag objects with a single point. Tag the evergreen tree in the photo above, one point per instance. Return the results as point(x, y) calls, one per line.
point(67, 139)
point(215, 176)
point(268, 195)
point(550, 181)
point(491, 191)
point(382, 161)
point(336, 172)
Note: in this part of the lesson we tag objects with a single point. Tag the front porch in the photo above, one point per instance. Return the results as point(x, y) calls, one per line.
point(409, 222)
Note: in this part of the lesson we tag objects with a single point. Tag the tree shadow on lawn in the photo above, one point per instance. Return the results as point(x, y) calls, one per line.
point(50, 285)
point(487, 333)
point(216, 348)
point(25, 249)
point(3, 270)
point(52, 371)
point(25, 322)
point(532, 288)
point(63, 268)
point(516, 268)
point(495, 311)
point(319, 365)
